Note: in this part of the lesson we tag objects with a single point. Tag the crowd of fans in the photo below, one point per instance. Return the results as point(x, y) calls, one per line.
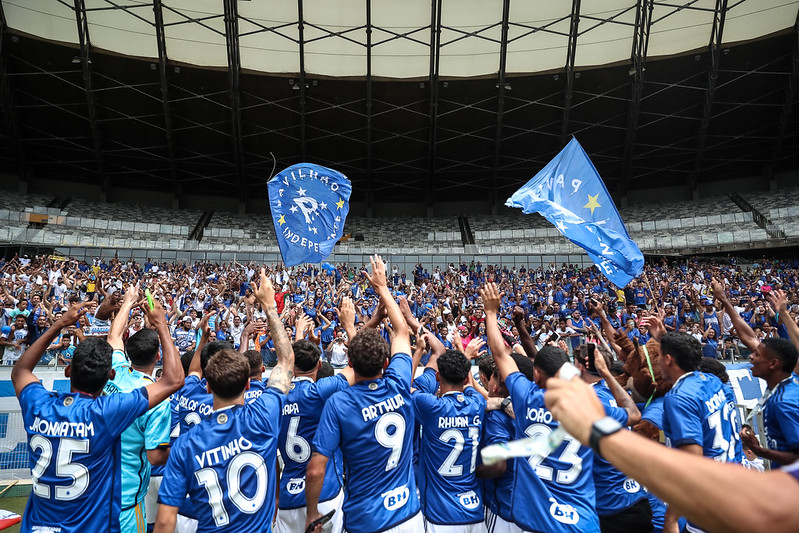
point(219, 435)
point(554, 303)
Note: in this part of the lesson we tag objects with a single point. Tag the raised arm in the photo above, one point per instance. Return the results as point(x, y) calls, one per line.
point(283, 371)
point(623, 400)
point(401, 343)
point(172, 378)
point(491, 300)
point(779, 302)
point(743, 330)
point(527, 342)
point(120, 322)
point(22, 375)
point(347, 317)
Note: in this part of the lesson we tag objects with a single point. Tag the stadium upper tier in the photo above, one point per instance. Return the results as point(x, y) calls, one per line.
point(666, 227)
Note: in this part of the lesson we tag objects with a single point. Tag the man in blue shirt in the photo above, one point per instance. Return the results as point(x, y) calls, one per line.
point(146, 441)
point(554, 492)
point(306, 399)
point(372, 424)
point(451, 423)
point(698, 416)
point(227, 464)
point(74, 437)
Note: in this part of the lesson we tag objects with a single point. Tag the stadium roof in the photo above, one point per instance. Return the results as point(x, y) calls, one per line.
point(456, 98)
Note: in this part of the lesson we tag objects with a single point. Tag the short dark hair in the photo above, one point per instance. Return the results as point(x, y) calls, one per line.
point(306, 355)
point(210, 349)
point(368, 352)
point(685, 349)
point(325, 371)
point(255, 361)
point(486, 365)
point(550, 359)
point(91, 365)
point(524, 364)
point(227, 373)
point(709, 365)
point(453, 367)
point(784, 351)
point(142, 347)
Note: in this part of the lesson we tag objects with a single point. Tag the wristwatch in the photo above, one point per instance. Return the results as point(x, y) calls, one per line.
point(505, 403)
point(602, 428)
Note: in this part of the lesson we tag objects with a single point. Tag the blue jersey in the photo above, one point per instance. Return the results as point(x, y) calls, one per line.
point(615, 491)
point(194, 402)
point(781, 417)
point(372, 423)
point(148, 432)
point(498, 492)
point(301, 415)
point(226, 466)
point(698, 410)
point(257, 387)
point(556, 492)
point(451, 426)
point(74, 443)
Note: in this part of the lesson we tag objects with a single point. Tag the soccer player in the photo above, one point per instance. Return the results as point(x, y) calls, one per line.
point(146, 441)
point(451, 423)
point(301, 414)
point(372, 424)
point(74, 437)
point(773, 360)
point(621, 502)
point(556, 492)
point(227, 463)
point(698, 416)
point(257, 385)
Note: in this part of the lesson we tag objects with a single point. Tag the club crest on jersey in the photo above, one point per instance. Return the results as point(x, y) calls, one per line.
point(221, 418)
point(296, 485)
point(373, 386)
point(631, 485)
point(563, 513)
point(460, 397)
point(395, 498)
point(470, 500)
point(68, 401)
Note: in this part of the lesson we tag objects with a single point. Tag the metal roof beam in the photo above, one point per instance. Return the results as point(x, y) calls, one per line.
point(301, 35)
point(369, 163)
point(86, 63)
point(501, 88)
point(160, 36)
point(234, 73)
point(7, 102)
point(787, 108)
point(714, 47)
point(574, 32)
point(435, 57)
point(643, 25)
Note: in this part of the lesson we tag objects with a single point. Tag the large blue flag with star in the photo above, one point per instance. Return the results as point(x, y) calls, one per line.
point(569, 193)
point(309, 206)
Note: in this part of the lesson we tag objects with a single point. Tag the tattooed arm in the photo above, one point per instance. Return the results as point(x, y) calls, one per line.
point(284, 370)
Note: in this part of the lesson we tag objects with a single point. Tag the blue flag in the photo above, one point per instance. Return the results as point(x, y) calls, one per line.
point(309, 206)
point(569, 193)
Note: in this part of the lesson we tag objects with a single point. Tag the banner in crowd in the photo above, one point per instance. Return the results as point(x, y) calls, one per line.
point(569, 193)
point(747, 388)
point(309, 206)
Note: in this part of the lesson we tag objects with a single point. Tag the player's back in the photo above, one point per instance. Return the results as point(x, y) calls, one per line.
point(556, 492)
point(697, 410)
point(498, 492)
point(451, 427)
point(75, 443)
point(257, 387)
point(372, 423)
point(194, 403)
point(226, 466)
point(301, 414)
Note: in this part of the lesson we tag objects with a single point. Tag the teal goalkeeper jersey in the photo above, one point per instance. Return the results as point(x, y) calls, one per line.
point(148, 432)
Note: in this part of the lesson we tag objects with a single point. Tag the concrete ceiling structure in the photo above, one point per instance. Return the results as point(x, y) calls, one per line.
point(434, 100)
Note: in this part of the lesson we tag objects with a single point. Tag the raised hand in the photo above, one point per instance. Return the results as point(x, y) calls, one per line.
point(491, 297)
point(75, 312)
point(265, 292)
point(718, 290)
point(778, 300)
point(655, 326)
point(475, 348)
point(378, 276)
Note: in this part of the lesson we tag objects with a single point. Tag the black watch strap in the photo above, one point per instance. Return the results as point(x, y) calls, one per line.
point(505, 403)
point(602, 428)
